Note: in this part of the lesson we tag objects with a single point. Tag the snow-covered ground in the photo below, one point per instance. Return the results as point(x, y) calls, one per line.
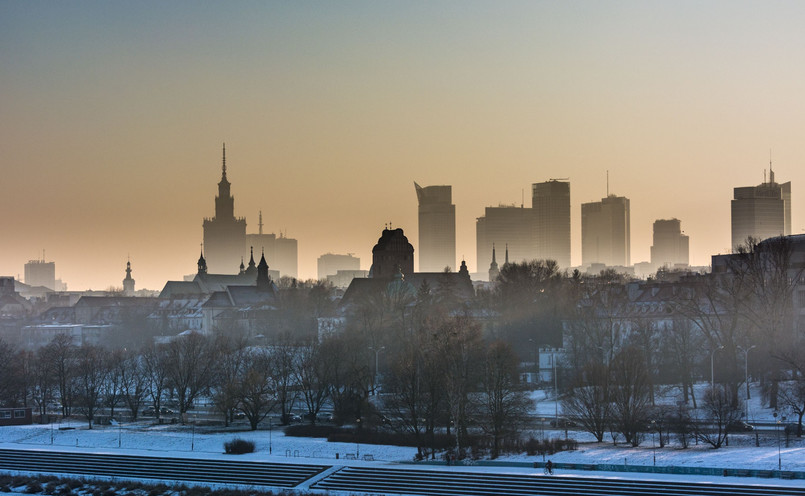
point(146, 437)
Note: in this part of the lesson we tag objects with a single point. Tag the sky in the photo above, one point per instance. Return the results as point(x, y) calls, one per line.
point(113, 114)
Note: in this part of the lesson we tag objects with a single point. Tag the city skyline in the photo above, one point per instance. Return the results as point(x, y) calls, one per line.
point(114, 115)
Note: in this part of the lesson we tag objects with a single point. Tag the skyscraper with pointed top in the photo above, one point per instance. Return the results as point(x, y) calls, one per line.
point(762, 211)
point(437, 228)
point(224, 234)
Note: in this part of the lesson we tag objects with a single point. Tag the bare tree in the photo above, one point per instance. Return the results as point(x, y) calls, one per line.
point(629, 392)
point(588, 403)
point(134, 380)
point(720, 410)
point(311, 377)
point(190, 364)
point(61, 354)
point(229, 369)
point(92, 372)
point(506, 404)
point(256, 390)
point(155, 361)
point(112, 392)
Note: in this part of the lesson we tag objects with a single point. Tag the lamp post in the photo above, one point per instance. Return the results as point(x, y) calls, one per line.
point(193, 435)
point(746, 377)
point(555, 391)
point(653, 444)
point(270, 447)
point(712, 369)
point(374, 379)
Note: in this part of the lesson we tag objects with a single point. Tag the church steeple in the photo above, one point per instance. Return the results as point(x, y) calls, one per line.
point(263, 279)
point(494, 270)
point(252, 268)
point(202, 264)
point(128, 282)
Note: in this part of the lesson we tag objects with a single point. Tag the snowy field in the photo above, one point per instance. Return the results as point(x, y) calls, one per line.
point(149, 438)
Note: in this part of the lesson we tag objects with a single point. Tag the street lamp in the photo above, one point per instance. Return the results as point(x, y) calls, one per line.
point(193, 435)
point(746, 376)
point(555, 391)
point(712, 371)
point(779, 454)
point(374, 381)
point(270, 447)
point(653, 444)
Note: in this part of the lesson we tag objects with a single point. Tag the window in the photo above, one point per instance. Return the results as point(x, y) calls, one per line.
point(19, 413)
point(5, 414)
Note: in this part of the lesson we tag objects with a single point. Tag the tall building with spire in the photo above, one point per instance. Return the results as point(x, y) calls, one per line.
point(280, 251)
point(762, 211)
point(437, 228)
point(224, 234)
point(128, 282)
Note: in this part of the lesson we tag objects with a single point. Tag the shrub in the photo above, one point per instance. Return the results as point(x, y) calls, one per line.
point(238, 446)
point(34, 487)
point(310, 430)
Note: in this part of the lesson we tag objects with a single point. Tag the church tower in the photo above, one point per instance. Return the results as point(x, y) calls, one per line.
point(494, 270)
point(128, 282)
point(224, 234)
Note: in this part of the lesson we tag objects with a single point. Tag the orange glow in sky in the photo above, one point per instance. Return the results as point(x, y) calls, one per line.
point(112, 117)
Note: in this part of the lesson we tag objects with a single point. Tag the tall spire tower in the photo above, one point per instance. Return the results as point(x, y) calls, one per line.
point(128, 282)
point(224, 234)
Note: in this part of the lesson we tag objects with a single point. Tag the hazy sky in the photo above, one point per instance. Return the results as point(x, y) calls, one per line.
point(112, 116)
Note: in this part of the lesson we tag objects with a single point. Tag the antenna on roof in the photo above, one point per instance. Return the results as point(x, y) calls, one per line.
point(607, 182)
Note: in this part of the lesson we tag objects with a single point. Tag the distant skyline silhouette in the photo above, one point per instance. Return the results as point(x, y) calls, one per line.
point(113, 117)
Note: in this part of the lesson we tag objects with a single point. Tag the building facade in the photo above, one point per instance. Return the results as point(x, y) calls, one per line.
point(506, 226)
point(330, 263)
point(550, 202)
point(605, 232)
point(437, 228)
point(761, 211)
point(40, 273)
point(671, 248)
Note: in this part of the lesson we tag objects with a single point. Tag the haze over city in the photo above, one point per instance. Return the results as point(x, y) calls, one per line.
point(113, 117)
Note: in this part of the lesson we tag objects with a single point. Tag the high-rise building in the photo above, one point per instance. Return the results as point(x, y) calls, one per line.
point(510, 226)
point(437, 228)
point(40, 273)
point(605, 232)
point(670, 247)
point(762, 211)
point(224, 235)
point(329, 264)
point(550, 202)
point(286, 260)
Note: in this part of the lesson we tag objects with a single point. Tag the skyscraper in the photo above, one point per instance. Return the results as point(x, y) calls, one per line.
point(762, 211)
point(41, 273)
point(329, 264)
point(280, 252)
point(224, 235)
point(551, 204)
point(510, 226)
point(437, 228)
point(605, 232)
point(670, 247)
